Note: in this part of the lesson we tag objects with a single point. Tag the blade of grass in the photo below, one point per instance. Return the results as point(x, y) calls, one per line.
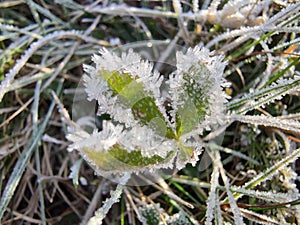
point(282, 72)
point(45, 12)
point(34, 12)
point(35, 110)
point(122, 211)
point(7, 4)
point(232, 152)
point(182, 189)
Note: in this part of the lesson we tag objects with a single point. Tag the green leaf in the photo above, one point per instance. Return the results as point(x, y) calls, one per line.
point(116, 80)
point(185, 153)
point(132, 94)
point(186, 120)
point(197, 82)
point(120, 159)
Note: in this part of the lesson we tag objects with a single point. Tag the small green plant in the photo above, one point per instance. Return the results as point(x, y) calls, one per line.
point(142, 134)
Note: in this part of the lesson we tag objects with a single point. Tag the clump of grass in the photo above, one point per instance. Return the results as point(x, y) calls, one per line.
point(253, 172)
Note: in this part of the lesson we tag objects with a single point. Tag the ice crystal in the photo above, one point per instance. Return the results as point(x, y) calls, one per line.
point(142, 134)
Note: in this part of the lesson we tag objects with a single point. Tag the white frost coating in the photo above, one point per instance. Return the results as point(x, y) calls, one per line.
point(147, 142)
point(287, 124)
point(95, 86)
point(99, 141)
point(130, 63)
point(97, 89)
point(197, 150)
point(269, 68)
point(289, 181)
point(112, 62)
point(74, 174)
point(237, 13)
point(213, 200)
point(261, 97)
point(122, 115)
point(136, 138)
point(285, 13)
point(271, 196)
point(180, 218)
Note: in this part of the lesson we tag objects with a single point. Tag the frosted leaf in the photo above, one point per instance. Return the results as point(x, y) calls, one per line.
point(127, 90)
point(150, 128)
point(132, 64)
point(115, 149)
point(196, 90)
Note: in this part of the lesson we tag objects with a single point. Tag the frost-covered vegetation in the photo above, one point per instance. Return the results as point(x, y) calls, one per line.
point(223, 115)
